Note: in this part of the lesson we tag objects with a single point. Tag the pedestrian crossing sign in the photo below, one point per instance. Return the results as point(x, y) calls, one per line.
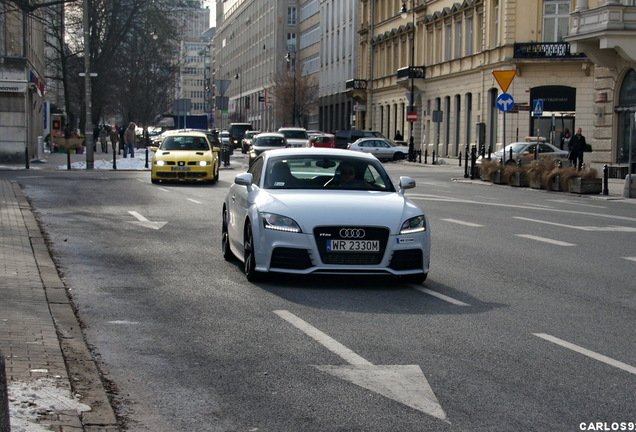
point(537, 107)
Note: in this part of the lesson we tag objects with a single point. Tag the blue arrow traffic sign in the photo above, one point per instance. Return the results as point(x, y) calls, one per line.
point(505, 102)
point(537, 107)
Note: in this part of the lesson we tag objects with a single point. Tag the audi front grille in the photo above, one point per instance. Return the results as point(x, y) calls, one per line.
point(322, 234)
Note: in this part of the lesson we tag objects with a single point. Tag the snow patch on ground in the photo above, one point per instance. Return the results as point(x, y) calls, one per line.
point(30, 401)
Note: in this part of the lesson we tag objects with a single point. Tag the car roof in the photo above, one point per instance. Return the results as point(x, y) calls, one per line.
point(270, 134)
point(292, 128)
point(187, 132)
point(315, 151)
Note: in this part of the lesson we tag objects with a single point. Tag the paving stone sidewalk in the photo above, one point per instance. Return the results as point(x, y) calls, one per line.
point(40, 337)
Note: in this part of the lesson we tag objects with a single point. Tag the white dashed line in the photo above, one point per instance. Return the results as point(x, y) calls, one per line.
point(459, 222)
point(442, 297)
point(545, 240)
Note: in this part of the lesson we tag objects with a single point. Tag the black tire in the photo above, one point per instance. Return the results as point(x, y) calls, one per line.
point(153, 181)
point(398, 156)
point(215, 175)
point(225, 241)
point(249, 263)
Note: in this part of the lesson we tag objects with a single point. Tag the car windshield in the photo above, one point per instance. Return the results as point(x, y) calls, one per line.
point(269, 142)
point(516, 147)
point(326, 172)
point(186, 143)
point(294, 134)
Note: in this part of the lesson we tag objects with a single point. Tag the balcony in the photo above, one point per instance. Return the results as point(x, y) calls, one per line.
point(605, 34)
point(411, 72)
point(545, 50)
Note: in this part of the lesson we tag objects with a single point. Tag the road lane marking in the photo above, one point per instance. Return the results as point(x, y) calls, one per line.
point(630, 258)
point(442, 296)
point(143, 221)
point(459, 222)
point(405, 384)
point(586, 352)
point(517, 206)
point(331, 344)
point(612, 228)
point(577, 203)
point(545, 240)
point(194, 201)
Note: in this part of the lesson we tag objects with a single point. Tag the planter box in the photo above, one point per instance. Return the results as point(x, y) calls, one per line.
point(498, 177)
point(535, 183)
point(519, 179)
point(556, 184)
point(580, 185)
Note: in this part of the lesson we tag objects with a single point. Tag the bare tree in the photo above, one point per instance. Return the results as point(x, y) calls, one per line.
point(295, 96)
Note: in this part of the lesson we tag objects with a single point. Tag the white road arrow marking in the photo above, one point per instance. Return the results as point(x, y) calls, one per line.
point(145, 222)
point(404, 384)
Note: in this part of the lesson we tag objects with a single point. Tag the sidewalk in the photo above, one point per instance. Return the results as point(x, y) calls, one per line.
point(46, 358)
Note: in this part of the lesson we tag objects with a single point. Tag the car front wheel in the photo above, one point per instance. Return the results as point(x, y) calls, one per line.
point(225, 240)
point(249, 263)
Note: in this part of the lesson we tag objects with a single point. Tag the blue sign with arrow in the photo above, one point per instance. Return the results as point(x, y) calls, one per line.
point(505, 102)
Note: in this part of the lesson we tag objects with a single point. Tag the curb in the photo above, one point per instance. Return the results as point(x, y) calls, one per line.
point(80, 366)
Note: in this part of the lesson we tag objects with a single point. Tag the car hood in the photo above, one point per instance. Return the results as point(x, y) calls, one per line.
point(314, 208)
point(182, 155)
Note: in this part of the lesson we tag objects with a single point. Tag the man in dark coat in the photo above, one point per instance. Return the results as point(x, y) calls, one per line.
point(576, 146)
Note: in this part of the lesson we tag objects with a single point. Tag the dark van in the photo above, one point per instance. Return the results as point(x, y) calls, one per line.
point(344, 137)
point(237, 132)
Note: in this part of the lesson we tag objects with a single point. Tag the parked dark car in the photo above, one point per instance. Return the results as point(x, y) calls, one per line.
point(346, 137)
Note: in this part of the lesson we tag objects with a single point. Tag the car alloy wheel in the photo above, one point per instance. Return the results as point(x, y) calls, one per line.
point(249, 264)
point(225, 240)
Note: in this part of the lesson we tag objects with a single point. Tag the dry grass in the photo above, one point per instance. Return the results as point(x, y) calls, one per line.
point(488, 168)
point(510, 170)
point(538, 169)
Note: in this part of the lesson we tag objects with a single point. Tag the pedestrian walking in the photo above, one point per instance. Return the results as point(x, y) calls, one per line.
point(565, 139)
point(103, 135)
point(122, 139)
point(114, 138)
point(130, 138)
point(576, 147)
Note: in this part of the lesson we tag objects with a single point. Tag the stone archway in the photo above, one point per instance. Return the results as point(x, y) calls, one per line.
point(625, 109)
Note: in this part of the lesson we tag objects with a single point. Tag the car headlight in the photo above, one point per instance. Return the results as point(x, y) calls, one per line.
point(204, 163)
point(414, 225)
point(160, 163)
point(279, 223)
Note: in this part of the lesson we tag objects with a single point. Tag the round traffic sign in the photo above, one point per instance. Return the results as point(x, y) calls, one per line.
point(411, 116)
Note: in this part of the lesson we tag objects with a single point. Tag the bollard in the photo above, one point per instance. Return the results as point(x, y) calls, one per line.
point(466, 163)
point(426, 156)
point(433, 157)
point(460, 158)
point(473, 159)
point(605, 180)
point(489, 152)
point(68, 159)
point(146, 165)
point(26, 158)
point(4, 398)
point(419, 155)
point(114, 159)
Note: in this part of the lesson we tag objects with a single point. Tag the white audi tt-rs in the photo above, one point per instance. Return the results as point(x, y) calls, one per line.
point(328, 211)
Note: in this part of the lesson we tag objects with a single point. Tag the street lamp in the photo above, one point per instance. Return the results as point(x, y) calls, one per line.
point(411, 108)
point(289, 59)
point(239, 77)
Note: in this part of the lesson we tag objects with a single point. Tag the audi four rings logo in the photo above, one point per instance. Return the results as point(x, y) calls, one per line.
point(352, 233)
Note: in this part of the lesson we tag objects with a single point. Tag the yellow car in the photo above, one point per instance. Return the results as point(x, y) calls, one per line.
point(186, 156)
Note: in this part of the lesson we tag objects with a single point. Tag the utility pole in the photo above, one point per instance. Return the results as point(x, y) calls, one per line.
point(88, 127)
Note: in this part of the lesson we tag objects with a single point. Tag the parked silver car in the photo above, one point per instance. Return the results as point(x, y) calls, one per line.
point(381, 148)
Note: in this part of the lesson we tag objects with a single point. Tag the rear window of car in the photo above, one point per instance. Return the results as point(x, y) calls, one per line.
point(294, 134)
point(269, 142)
point(322, 139)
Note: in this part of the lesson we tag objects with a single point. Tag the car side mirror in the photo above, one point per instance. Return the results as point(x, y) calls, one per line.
point(244, 179)
point(405, 183)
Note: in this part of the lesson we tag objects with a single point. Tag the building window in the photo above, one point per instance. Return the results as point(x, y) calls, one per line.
point(292, 18)
point(458, 39)
point(469, 36)
point(556, 20)
point(448, 46)
point(495, 24)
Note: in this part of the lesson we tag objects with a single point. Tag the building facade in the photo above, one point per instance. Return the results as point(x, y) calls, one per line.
point(444, 53)
point(251, 45)
point(605, 30)
point(22, 84)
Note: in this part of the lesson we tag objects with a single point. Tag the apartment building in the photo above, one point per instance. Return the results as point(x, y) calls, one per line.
point(22, 84)
point(442, 55)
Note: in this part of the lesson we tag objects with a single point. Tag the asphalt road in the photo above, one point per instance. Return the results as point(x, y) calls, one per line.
point(526, 322)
